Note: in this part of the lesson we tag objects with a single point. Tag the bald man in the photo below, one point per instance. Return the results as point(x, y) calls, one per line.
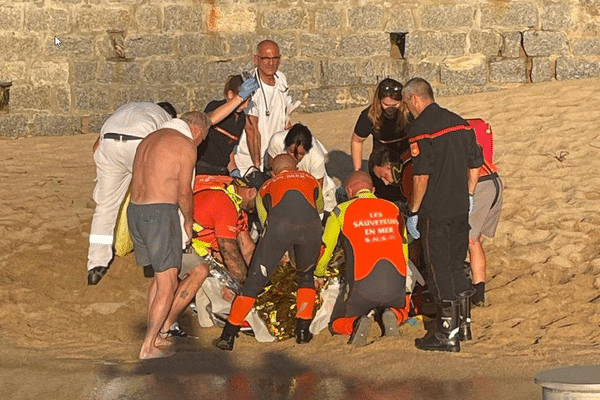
point(372, 233)
point(288, 206)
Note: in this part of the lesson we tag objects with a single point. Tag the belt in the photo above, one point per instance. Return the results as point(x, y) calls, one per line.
point(120, 137)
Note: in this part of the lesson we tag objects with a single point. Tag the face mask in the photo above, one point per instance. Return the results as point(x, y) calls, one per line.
point(390, 112)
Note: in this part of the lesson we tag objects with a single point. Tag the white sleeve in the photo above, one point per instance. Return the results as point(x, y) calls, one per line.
point(276, 144)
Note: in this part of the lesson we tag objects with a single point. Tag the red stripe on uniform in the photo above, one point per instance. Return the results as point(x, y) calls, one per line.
point(440, 133)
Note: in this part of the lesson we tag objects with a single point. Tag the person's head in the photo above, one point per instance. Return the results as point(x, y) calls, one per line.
point(168, 107)
point(247, 193)
point(379, 163)
point(387, 103)
point(232, 89)
point(357, 181)
point(283, 162)
point(298, 141)
point(417, 94)
point(267, 58)
point(199, 124)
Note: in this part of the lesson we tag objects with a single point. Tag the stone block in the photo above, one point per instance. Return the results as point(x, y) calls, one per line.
point(374, 70)
point(96, 122)
point(218, 72)
point(47, 19)
point(131, 94)
point(239, 46)
point(301, 73)
point(366, 18)
point(511, 44)
point(120, 72)
point(447, 16)
point(428, 70)
point(202, 96)
point(181, 18)
point(176, 95)
point(516, 14)
point(23, 97)
point(125, 1)
point(543, 43)
point(573, 68)
point(14, 125)
point(508, 71)
point(232, 19)
point(63, 98)
point(285, 18)
point(400, 20)
point(450, 91)
point(160, 72)
point(13, 71)
point(421, 45)
point(49, 73)
point(72, 46)
point(585, 47)
point(464, 71)
point(55, 125)
point(371, 44)
point(16, 47)
point(541, 69)
point(84, 71)
point(360, 96)
point(103, 18)
point(11, 19)
point(148, 18)
point(339, 73)
point(191, 71)
point(556, 17)
point(68, 1)
point(319, 100)
point(148, 45)
point(90, 98)
point(487, 43)
point(326, 19)
point(319, 46)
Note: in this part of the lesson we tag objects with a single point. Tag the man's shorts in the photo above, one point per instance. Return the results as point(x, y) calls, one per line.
point(487, 206)
point(156, 233)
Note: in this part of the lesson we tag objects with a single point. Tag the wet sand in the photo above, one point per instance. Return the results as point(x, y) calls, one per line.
point(62, 339)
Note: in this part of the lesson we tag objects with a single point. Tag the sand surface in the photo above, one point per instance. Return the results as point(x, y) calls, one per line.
point(543, 271)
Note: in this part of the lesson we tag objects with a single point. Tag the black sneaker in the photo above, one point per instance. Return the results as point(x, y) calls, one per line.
point(389, 320)
point(174, 331)
point(95, 275)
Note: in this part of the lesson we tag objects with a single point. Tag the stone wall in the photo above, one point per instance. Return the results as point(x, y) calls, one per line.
point(335, 51)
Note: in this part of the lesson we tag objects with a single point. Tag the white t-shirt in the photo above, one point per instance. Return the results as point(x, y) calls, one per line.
point(313, 162)
point(136, 119)
point(277, 100)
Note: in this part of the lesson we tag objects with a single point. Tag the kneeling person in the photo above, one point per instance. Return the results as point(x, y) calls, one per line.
point(288, 206)
point(372, 234)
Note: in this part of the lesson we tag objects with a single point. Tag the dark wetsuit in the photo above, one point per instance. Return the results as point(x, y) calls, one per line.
point(375, 247)
point(288, 205)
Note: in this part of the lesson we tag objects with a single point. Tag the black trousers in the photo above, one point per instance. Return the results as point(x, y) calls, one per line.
point(445, 243)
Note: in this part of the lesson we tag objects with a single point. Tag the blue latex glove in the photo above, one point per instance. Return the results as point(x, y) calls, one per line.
point(471, 202)
point(235, 173)
point(411, 226)
point(248, 87)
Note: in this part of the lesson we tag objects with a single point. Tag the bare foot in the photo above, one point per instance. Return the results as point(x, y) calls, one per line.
point(155, 353)
point(162, 342)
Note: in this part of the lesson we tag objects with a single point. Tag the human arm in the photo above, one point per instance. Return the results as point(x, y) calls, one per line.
point(356, 146)
point(330, 238)
point(96, 144)
point(185, 197)
point(233, 258)
point(253, 139)
point(247, 245)
point(246, 89)
point(420, 183)
point(473, 174)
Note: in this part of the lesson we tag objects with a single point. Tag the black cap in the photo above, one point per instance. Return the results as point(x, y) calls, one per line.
point(255, 178)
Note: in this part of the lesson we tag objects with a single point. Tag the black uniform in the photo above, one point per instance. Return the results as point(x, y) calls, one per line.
point(214, 151)
point(444, 147)
point(388, 136)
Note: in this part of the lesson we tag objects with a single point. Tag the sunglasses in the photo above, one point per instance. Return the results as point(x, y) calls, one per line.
point(276, 58)
point(392, 88)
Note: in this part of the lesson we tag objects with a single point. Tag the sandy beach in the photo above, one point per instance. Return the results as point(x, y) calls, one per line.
point(543, 280)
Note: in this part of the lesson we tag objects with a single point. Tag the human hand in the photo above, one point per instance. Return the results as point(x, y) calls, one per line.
point(471, 203)
point(235, 173)
point(411, 226)
point(248, 87)
point(227, 294)
point(187, 226)
point(319, 283)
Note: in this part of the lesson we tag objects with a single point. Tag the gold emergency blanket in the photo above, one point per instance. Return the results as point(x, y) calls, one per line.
point(123, 242)
point(276, 305)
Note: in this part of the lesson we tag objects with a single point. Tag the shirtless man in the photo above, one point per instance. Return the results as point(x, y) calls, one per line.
point(161, 184)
